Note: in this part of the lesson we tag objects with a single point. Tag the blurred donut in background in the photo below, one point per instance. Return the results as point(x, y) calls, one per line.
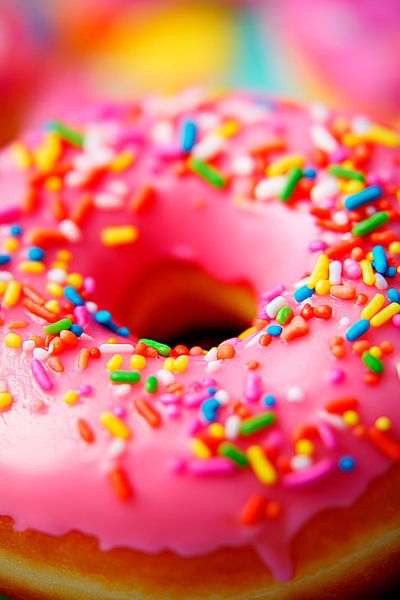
point(347, 52)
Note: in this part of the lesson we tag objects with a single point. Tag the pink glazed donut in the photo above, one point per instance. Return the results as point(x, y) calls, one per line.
point(262, 467)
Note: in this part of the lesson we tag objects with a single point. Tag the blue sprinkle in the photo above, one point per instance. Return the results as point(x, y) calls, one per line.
point(309, 173)
point(270, 400)
point(36, 253)
point(76, 329)
point(390, 272)
point(4, 259)
point(357, 330)
point(212, 391)
point(189, 135)
point(73, 296)
point(393, 295)
point(103, 317)
point(302, 293)
point(123, 331)
point(347, 463)
point(368, 194)
point(380, 261)
point(15, 230)
point(274, 330)
point(209, 409)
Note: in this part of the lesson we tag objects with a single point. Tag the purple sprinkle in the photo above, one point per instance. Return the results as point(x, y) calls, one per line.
point(209, 382)
point(271, 294)
point(86, 389)
point(396, 321)
point(40, 375)
point(211, 466)
point(337, 376)
point(317, 246)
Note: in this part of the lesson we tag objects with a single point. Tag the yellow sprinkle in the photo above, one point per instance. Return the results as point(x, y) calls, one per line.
point(53, 306)
point(138, 361)
point(11, 244)
point(47, 155)
point(216, 430)
point(55, 289)
point(60, 264)
point(70, 397)
point(375, 351)
point(351, 140)
point(247, 332)
point(228, 129)
point(119, 236)
point(12, 340)
point(53, 184)
point(169, 364)
point(320, 270)
point(262, 467)
point(3, 287)
point(351, 418)
point(353, 186)
point(373, 306)
point(32, 266)
point(368, 274)
point(5, 400)
point(21, 155)
point(181, 363)
point(382, 135)
point(12, 294)
point(304, 446)
point(122, 162)
point(64, 255)
point(76, 280)
point(115, 426)
point(322, 287)
point(385, 314)
point(115, 362)
point(383, 423)
point(282, 165)
point(199, 448)
point(112, 340)
point(394, 248)
point(370, 257)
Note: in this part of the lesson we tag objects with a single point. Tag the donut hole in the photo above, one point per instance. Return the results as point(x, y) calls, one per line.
point(180, 303)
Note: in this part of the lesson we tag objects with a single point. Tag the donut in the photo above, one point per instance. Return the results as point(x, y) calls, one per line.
point(262, 465)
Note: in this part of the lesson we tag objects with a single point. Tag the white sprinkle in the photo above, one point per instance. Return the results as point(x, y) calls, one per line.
point(335, 272)
point(334, 420)
point(232, 427)
point(344, 322)
point(340, 217)
point(57, 275)
point(380, 282)
point(398, 370)
point(222, 396)
point(254, 339)
point(117, 447)
point(319, 112)
point(75, 179)
point(211, 355)
point(85, 337)
point(299, 462)
point(325, 189)
point(274, 306)
point(270, 187)
point(116, 348)
point(162, 133)
point(209, 147)
point(5, 276)
point(295, 394)
point(107, 201)
point(166, 377)
point(323, 139)
point(243, 165)
point(122, 390)
point(118, 186)
point(71, 230)
point(40, 354)
point(213, 366)
point(91, 306)
point(360, 125)
point(28, 346)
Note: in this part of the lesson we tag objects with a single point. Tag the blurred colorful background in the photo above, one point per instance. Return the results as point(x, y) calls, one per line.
point(55, 54)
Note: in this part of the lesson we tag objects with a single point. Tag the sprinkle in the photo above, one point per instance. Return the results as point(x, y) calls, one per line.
point(151, 384)
point(5, 400)
point(372, 363)
point(70, 397)
point(293, 178)
point(384, 443)
point(70, 230)
point(12, 340)
point(295, 394)
point(335, 272)
point(363, 197)
point(357, 330)
point(274, 330)
point(213, 466)
point(67, 134)
point(73, 296)
point(225, 351)
point(373, 306)
point(125, 377)
point(368, 275)
point(262, 467)
point(297, 328)
point(252, 387)
point(368, 225)
point(380, 260)
point(345, 173)
point(302, 293)
point(312, 474)
point(142, 200)
point(284, 164)
point(12, 294)
point(383, 424)
point(83, 359)
point(188, 135)
point(270, 188)
point(285, 314)
point(146, 410)
point(274, 306)
point(85, 431)
point(257, 423)
point(117, 348)
point(385, 314)
point(162, 349)
point(120, 484)
point(342, 405)
point(323, 139)
point(347, 464)
point(253, 511)
point(119, 236)
point(229, 450)
point(115, 426)
point(40, 375)
point(207, 172)
point(344, 292)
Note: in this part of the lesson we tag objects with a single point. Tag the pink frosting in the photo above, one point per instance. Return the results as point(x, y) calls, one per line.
point(53, 481)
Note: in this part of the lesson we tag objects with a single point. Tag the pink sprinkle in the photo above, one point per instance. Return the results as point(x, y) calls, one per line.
point(194, 427)
point(339, 155)
point(209, 382)
point(211, 466)
point(86, 389)
point(310, 474)
point(82, 316)
point(327, 436)
point(317, 246)
point(396, 321)
point(89, 285)
point(352, 269)
point(177, 466)
point(196, 398)
point(119, 411)
point(372, 179)
point(10, 214)
point(337, 376)
point(169, 398)
point(276, 291)
point(252, 387)
point(173, 411)
point(40, 375)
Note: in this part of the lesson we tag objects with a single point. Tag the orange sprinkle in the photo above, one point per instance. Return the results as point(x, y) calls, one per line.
point(344, 292)
point(333, 226)
point(265, 340)
point(253, 365)
point(56, 345)
point(338, 351)
point(47, 237)
point(309, 431)
point(55, 364)
point(273, 510)
point(343, 248)
point(307, 312)
point(83, 359)
point(16, 324)
point(30, 201)
point(361, 299)
point(225, 351)
point(85, 431)
point(32, 294)
point(253, 510)
point(39, 341)
point(39, 310)
point(195, 351)
point(120, 483)
point(357, 253)
point(341, 405)
point(297, 328)
point(69, 338)
point(323, 311)
point(274, 145)
point(94, 352)
point(384, 443)
point(386, 347)
point(336, 340)
point(146, 410)
point(371, 378)
point(58, 208)
point(360, 346)
point(142, 200)
point(82, 209)
point(383, 238)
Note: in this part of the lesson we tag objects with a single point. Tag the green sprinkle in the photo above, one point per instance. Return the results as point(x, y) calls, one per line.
point(162, 349)
point(151, 384)
point(345, 173)
point(284, 314)
point(231, 451)
point(372, 363)
point(58, 326)
point(365, 227)
point(66, 133)
point(207, 172)
point(293, 178)
point(253, 424)
point(125, 376)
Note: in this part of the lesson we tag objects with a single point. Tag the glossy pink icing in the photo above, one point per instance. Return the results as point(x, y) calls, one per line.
point(54, 482)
